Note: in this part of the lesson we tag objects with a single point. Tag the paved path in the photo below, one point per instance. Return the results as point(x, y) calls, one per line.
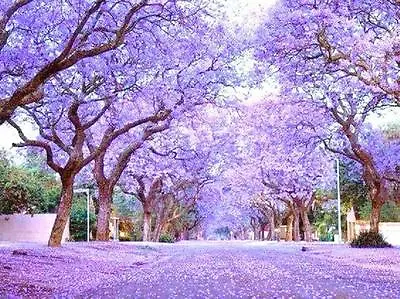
point(260, 270)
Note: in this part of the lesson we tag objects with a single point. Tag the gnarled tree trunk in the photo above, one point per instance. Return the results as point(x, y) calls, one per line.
point(157, 232)
point(254, 223)
point(262, 237)
point(296, 224)
point(272, 227)
point(157, 228)
point(289, 228)
point(103, 217)
point(63, 212)
point(372, 176)
point(375, 215)
point(306, 226)
point(146, 226)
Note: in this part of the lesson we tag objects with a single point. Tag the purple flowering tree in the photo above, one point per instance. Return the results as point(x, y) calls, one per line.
point(115, 101)
point(337, 67)
point(40, 40)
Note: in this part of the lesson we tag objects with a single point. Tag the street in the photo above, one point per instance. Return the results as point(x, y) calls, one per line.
point(261, 270)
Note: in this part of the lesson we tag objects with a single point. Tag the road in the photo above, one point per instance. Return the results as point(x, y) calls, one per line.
point(260, 270)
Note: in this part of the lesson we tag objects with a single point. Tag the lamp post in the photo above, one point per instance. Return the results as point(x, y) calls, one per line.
point(87, 191)
point(338, 198)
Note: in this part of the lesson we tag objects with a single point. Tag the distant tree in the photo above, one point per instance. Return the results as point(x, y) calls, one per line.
point(222, 232)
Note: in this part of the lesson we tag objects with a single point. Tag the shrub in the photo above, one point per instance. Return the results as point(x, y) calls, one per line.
point(326, 237)
point(126, 227)
point(166, 238)
point(369, 239)
point(137, 234)
point(78, 220)
point(26, 190)
point(126, 238)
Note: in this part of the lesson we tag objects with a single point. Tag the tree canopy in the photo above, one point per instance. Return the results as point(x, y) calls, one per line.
point(156, 100)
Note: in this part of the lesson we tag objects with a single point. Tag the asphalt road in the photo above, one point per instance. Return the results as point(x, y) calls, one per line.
point(259, 270)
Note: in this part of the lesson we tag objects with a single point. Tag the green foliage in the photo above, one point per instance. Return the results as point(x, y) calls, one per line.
point(137, 233)
point(188, 220)
point(127, 229)
point(124, 205)
point(167, 238)
point(128, 208)
point(390, 212)
point(353, 191)
point(325, 222)
point(223, 232)
point(24, 189)
point(369, 239)
point(78, 220)
point(127, 238)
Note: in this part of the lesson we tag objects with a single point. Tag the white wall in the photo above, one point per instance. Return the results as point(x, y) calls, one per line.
point(389, 230)
point(27, 228)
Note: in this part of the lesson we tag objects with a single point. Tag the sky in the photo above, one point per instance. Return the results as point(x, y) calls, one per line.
point(247, 13)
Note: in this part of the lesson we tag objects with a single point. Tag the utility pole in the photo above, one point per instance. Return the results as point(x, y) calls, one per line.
point(338, 198)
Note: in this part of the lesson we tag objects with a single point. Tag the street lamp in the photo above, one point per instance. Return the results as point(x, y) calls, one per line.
point(338, 198)
point(87, 191)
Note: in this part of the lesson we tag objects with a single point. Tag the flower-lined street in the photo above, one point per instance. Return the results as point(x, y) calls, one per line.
point(230, 269)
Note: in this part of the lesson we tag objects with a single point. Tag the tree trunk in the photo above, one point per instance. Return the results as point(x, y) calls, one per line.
point(146, 225)
point(289, 228)
point(253, 223)
point(160, 222)
point(306, 225)
point(296, 225)
point(262, 232)
point(375, 216)
point(157, 229)
point(255, 231)
point(184, 235)
point(157, 232)
point(103, 217)
point(272, 227)
point(63, 211)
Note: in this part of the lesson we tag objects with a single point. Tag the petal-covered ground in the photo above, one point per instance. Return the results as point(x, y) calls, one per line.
point(200, 270)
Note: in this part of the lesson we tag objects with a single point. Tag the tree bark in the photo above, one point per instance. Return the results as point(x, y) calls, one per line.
point(146, 225)
point(289, 228)
point(103, 217)
point(162, 217)
point(184, 234)
point(375, 216)
point(378, 196)
point(296, 225)
point(262, 232)
point(157, 232)
point(372, 177)
point(157, 229)
point(272, 227)
point(63, 211)
point(306, 226)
